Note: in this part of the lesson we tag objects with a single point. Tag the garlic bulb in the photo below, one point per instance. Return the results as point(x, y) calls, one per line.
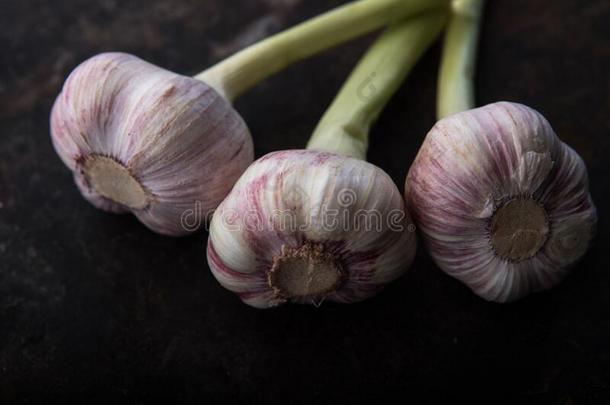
point(168, 148)
point(305, 226)
point(142, 139)
point(503, 205)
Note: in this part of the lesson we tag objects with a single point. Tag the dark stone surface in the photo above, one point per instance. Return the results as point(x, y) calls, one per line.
point(95, 306)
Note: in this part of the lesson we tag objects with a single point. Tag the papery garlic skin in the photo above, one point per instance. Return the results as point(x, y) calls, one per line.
point(177, 137)
point(283, 207)
point(477, 166)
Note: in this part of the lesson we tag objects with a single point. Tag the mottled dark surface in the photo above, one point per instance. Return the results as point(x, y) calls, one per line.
point(95, 306)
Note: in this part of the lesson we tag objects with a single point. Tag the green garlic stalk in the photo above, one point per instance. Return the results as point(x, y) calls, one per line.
point(238, 73)
point(345, 127)
point(458, 66)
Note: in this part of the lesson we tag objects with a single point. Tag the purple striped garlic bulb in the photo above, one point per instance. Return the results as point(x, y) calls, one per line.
point(503, 205)
point(142, 139)
point(305, 226)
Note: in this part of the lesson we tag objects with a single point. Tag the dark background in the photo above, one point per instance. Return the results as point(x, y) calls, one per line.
point(95, 306)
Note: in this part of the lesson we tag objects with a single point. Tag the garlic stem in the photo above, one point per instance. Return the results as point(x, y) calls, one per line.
point(458, 64)
point(238, 73)
point(344, 128)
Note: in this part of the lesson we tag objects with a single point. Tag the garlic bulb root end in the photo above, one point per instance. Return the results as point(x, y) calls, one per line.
point(519, 229)
point(306, 272)
point(114, 181)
